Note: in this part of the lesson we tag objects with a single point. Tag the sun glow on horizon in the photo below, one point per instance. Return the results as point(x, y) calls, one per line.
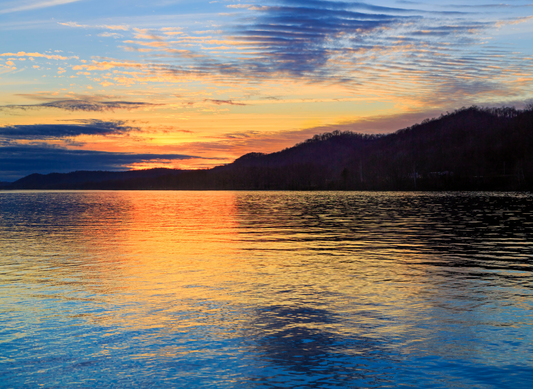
point(208, 83)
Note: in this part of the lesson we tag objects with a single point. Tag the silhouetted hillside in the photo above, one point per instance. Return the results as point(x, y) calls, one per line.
point(468, 149)
point(471, 148)
point(87, 179)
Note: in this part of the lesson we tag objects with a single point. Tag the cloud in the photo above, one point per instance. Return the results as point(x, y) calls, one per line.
point(110, 35)
point(38, 55)
point(312, 40)
point(411, 51)
point(58, 131)
point(84, 105)
point(119, 27)
point(344, 5)
point(298, 38)
point(514, 21)
point(32, 5)
point(387, 53)
point(21, 160)
point(319, 39)
point(221, 102)
point(488, 5)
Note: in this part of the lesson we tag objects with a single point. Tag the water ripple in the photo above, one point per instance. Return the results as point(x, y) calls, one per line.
point(266, 289)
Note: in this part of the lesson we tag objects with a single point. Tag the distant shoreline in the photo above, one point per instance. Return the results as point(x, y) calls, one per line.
point(470, 149)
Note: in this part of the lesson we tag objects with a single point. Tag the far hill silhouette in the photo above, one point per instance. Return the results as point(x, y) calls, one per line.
point(469, 149)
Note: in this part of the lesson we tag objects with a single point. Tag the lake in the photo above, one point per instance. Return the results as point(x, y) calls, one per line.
point(266, 289)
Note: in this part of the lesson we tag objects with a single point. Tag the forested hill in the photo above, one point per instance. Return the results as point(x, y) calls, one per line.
point(87, 179)
point(469, 149)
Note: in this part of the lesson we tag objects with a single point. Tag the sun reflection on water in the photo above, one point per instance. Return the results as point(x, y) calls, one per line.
point(260, 288)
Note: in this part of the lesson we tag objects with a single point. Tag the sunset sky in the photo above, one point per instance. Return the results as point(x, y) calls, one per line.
point(122, 84)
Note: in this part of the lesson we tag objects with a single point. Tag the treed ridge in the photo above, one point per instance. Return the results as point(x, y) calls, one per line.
point(469, 149)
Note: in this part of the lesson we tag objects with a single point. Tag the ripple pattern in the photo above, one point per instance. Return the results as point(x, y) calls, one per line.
point(266, 289)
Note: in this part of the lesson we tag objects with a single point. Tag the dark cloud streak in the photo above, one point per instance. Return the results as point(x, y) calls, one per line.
point(83, 105)
point(21, 160)
point(221, 102)
point(300, 38)
point(58, 131)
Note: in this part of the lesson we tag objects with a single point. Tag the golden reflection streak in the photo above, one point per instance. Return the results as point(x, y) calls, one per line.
point(180, 260)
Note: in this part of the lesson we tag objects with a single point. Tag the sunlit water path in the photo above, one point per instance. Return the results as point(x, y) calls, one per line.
point(266, 289)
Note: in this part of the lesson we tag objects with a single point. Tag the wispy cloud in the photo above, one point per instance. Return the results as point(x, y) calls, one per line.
point(222, 102)
point(511, 21)
point(314, 39)
point(32, 5)
point(84, 105)
point(60, 131)
point(119, 27)
point(415, 53)
point(110, 35)
point(38, 55)
point(486, 5)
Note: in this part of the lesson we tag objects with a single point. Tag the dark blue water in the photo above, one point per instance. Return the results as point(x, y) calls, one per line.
point(266, 290)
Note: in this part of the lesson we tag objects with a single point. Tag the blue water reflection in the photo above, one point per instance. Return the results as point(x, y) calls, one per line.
point(266, 289)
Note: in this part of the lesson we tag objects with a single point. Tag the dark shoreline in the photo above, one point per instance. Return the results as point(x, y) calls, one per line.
point(471, 149)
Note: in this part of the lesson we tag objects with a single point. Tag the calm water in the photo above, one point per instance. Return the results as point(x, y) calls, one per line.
point(266, 290)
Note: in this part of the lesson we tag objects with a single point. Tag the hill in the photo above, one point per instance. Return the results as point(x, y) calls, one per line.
point(88, 179)
point(469, 149)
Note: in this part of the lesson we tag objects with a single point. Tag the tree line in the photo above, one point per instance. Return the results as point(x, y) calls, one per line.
point(473, 148)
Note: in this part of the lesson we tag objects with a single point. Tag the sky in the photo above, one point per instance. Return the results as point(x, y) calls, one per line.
point(192, 84)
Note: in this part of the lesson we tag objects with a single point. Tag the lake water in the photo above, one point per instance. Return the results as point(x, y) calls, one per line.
point(266, 289)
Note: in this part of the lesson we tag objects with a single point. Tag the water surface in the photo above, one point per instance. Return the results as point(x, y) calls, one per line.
point(266, 289)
